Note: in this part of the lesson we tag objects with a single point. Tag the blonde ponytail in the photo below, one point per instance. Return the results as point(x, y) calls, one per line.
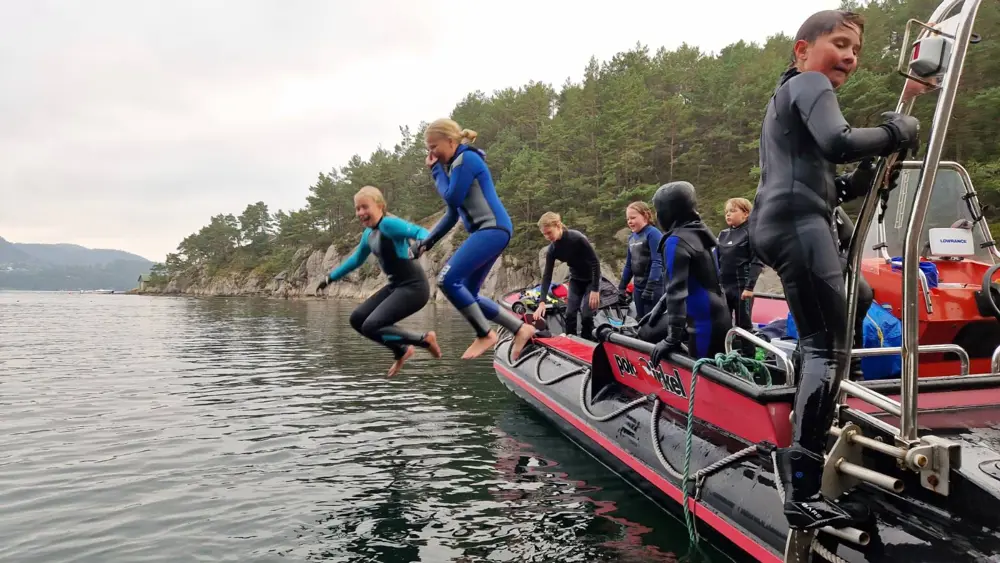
point(468, 136)
point(448, 128)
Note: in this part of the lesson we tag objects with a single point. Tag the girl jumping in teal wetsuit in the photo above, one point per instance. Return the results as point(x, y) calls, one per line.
point(407, 292)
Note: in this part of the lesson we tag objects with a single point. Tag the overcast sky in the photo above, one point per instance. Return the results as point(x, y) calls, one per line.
point(127, 124)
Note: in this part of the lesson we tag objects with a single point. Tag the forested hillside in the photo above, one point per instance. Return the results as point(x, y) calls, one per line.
point(49, 267)
point(587, 149)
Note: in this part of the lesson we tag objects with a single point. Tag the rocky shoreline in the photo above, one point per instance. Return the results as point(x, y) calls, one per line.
point(301, 282)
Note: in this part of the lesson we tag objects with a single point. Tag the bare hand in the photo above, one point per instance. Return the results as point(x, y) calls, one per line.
point(540, 311)
point(595, 300)
point(747, 294)
point(431, 160)
point(912, 88)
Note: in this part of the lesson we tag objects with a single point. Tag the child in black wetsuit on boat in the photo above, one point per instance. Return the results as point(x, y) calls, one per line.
point(738, 267)
point(573, 248)
point(803, 137)
point(693, 309)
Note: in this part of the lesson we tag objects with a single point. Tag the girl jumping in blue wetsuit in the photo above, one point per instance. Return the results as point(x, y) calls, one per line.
point(407, 292)
point(465, 184)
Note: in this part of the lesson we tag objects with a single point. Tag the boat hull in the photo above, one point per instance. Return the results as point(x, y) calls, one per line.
point(579, 386)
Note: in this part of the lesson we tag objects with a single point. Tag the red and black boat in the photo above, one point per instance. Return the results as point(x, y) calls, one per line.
point(706, 443)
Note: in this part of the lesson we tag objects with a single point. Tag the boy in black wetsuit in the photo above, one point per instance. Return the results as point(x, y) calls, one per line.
point(803, 137)
point(738, 267)
point(693, 308)
point(573, 248)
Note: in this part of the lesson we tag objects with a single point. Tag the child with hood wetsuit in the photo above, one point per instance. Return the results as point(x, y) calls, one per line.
point(693, 309)
point(643, 263)
point(573, 248)
point(464, 182)
point(803, 137)
point(388, 238)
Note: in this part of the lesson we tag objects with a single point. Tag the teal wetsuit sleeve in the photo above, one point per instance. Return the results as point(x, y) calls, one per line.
point(354, 261)
point(398, 229)
point(442, 228)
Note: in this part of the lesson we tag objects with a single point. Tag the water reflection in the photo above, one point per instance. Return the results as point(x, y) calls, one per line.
point(157, 429)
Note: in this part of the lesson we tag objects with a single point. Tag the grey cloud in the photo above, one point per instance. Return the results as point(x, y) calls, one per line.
point(122, 118)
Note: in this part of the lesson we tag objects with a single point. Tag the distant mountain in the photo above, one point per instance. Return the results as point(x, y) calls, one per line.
point(11, 254)
point(67, 267)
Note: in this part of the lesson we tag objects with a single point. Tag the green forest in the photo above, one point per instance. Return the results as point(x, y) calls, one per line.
point(587, 149)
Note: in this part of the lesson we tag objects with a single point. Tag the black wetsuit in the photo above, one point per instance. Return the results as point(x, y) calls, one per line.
point(693, 309)
point(738, 271)
point(407, 292)
point(803, 137)
point(575, 250)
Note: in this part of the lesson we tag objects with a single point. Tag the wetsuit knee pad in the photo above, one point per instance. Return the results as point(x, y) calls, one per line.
point(357, 319)
point(449, 281)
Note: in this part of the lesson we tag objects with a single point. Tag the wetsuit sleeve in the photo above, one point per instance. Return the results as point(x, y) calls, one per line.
point(677, 258)
point(354, 261)
point(398, 229)
point(550, 262)
point(442, 228)
point(627, 271)
point(455, 188)
point(855, 183)
point(814, 97)
point(756, 267)
point(653, 237)
point(595, 264)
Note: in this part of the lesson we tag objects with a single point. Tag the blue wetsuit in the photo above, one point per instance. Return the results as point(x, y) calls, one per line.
point(406, 293)
point(467, 188)
point(644, 266)
point(693, 308)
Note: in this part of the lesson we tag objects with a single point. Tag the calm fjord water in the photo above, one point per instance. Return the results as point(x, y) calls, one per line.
point(147, 429)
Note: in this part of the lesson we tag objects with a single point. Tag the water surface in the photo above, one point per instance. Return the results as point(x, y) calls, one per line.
point(147, 429)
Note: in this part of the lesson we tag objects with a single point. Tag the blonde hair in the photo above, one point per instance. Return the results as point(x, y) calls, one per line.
point(740, 203)
point(550, 219)
point(643, 209)
point(374, 194)
point(450, 129)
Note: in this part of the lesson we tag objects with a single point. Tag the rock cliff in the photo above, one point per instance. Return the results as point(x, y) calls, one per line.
point(307, 268)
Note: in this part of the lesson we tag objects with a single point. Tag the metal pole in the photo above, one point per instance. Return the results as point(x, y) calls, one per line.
point(921, 201)
point(868, 209)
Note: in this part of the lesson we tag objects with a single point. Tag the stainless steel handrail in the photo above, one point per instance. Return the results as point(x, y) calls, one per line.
point(778, 352)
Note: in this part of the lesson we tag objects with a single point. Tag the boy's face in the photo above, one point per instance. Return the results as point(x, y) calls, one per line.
point(834, 54)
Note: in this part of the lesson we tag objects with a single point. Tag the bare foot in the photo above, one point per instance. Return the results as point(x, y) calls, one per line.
point(480, 345)
point(432, 344)
point(398, 364)
point(524, 334)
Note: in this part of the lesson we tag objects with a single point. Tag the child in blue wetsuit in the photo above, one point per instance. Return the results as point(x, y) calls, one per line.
point(465, 184)
point(407, 292)
point(693, 308)
point(643, 264)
